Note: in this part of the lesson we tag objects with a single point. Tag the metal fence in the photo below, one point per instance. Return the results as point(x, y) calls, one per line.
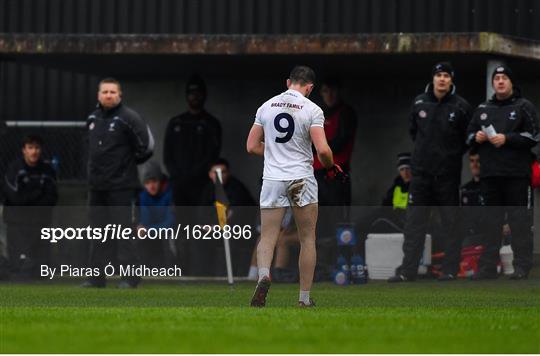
point(65, 145)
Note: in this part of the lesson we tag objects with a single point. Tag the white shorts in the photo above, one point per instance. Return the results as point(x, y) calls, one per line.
point(285, 193)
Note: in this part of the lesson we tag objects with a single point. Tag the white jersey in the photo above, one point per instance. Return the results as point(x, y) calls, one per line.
point(286, 120)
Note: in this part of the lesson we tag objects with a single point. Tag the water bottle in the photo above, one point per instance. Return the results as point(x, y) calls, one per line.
point(358, 270)
point(342, 274)
point(341, 278)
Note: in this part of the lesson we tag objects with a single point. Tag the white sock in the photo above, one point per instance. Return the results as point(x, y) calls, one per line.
point(252, 274)
point(304, 297)
point(264, 272)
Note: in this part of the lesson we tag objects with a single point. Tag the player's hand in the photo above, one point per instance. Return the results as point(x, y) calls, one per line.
point(337, 173)
point(481, 137)
point(498, 140)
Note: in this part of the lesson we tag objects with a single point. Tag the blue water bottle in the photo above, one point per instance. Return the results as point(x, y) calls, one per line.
point(342, 274)
point(358, 270)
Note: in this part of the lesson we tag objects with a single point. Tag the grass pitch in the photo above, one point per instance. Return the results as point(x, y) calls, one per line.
point(423, 317)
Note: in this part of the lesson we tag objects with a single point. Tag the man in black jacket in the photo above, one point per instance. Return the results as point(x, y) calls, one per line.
point(438, 124)
point(192, 143)
point(119, 140)
point(504, 129)
point(30, 192)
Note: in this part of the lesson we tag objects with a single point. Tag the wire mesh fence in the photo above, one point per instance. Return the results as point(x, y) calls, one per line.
point(65, 145)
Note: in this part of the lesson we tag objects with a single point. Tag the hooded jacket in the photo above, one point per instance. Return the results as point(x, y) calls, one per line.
point(438, 129)
point(517, 119)
point(119, 140)
point(156, 211)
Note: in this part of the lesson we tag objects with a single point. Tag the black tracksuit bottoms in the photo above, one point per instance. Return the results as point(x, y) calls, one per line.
point(113, 207)
point(513, 196)
point(427, 191)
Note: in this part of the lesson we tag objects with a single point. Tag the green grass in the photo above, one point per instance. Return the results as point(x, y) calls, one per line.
point(424, 317)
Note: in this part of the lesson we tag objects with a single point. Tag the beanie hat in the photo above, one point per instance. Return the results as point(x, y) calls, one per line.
point(443, 67)
point(152, 170)
point(403, 160)
point(503, 69)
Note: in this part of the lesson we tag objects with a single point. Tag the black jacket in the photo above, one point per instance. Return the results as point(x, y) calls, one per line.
point(192, 143)
point(30, 193)
point(515, 117)
point(438, 130)
point(119, 140)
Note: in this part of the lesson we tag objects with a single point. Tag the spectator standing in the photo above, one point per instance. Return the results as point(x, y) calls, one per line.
point(192, 143)
point(340, 129)
point(438, 124)
point(119, 140)
point(504, 129)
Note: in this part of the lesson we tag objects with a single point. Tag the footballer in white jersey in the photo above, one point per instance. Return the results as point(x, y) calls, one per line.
point(284, 130)
point(288, 178)
point(286, 120)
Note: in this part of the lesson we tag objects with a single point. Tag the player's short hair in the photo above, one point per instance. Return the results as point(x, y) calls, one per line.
point(302, 75)
point(32, 140)
point(110, 80)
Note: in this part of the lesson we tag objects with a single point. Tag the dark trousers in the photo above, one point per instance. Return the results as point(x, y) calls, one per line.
point(427, 191)
point(192, 254)
point(513, 196)
point(113, 207)
point(26, 250)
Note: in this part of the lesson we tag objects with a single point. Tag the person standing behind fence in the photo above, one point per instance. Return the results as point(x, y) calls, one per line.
point(192, 144)
point(504, 129)
point(119, 140)
point(30, 192)
point(438, 124)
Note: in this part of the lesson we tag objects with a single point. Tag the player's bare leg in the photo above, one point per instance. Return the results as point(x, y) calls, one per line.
point(306, 221)
point(287, 238)
point(270, 228)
